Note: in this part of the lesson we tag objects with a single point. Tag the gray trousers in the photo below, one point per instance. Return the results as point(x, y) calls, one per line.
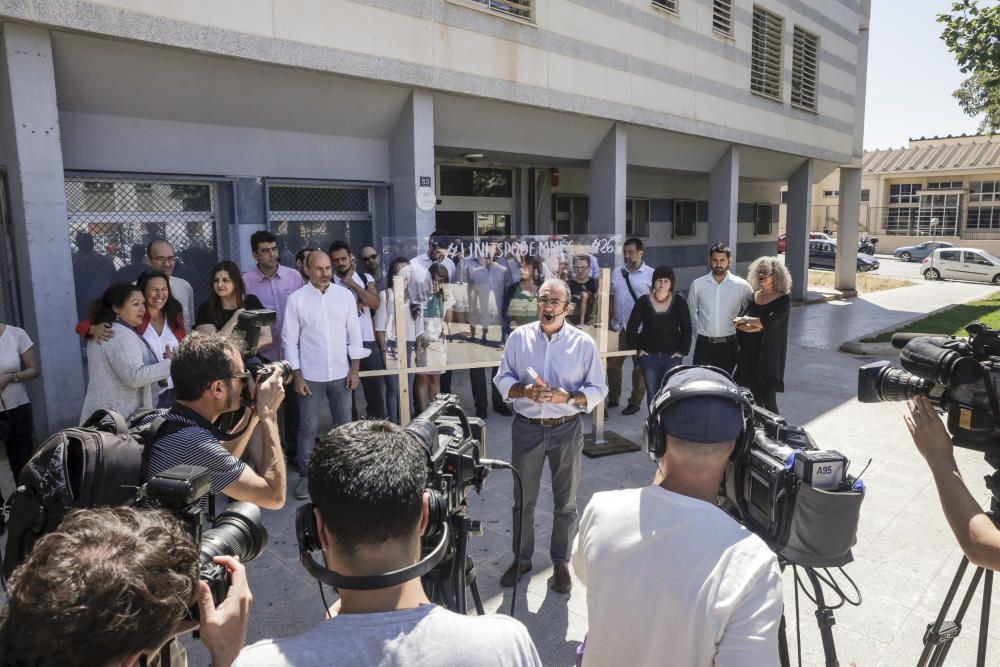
point(562, 445)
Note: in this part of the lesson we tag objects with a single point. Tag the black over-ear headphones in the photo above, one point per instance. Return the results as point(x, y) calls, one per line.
point(655, 433)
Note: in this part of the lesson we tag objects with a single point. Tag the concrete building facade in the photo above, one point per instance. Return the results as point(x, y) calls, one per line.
point(676, 121)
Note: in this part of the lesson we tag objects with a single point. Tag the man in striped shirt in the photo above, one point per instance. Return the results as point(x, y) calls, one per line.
point(209, 378)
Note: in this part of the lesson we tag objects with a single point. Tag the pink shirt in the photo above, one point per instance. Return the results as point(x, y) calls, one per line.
point(273, 293)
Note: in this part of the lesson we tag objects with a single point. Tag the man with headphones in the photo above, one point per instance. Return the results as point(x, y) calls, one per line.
point(671, 578)
point(367, 481)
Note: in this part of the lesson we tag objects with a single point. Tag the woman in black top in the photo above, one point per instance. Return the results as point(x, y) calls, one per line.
point(665, 337)
point(763, 332)
point(219, 312)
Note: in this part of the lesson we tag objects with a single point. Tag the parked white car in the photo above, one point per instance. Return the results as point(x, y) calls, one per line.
point(961, 264)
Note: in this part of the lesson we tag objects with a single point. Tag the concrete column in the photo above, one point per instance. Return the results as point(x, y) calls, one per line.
point(608, 170)
point(847, 228)
point(411, 162)
point(29, 133)
point(250, 210)
point(797, 229)
point(723, 197)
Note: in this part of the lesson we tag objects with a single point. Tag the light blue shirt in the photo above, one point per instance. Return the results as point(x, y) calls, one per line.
point(569, 360)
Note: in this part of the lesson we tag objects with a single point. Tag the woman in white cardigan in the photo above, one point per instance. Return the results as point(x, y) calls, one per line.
point(124, 372)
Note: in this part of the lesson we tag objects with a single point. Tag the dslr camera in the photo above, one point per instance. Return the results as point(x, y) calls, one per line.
point(960, 375)
point(249, 325)
point(799, 499)
point(238, 531)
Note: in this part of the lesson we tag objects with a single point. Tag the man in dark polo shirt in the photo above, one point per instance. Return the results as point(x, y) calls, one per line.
point(209, 377)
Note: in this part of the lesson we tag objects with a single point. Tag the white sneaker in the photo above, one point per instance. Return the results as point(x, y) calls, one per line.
point(302, 489)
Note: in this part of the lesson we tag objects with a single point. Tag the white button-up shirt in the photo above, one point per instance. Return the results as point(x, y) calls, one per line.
point(714, 305)
point(569, 360)
point(642, 282)
point(321, 333)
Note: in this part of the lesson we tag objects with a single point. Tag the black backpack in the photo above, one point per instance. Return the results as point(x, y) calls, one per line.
point(98, 464)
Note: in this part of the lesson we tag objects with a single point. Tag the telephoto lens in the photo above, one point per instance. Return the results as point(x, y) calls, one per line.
point(238, 531)
point(879, 381)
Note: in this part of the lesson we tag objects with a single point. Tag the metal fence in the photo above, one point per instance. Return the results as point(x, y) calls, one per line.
point(313, 216)
point(112, 220)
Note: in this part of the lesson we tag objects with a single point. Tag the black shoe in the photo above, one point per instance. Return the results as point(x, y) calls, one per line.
point(503, 410)
point(561, 581)
point(630, 409)
point(612, 404)
point(513, 573)
point(482, 413)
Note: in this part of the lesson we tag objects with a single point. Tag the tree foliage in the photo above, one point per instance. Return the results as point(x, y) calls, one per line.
point(972, 33)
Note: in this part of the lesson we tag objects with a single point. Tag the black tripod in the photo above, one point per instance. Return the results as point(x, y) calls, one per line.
point(446, 583)
point(941, 633)
point(824, 619)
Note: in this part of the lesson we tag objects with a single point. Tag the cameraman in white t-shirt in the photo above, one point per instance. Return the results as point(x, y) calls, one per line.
point(671, 578)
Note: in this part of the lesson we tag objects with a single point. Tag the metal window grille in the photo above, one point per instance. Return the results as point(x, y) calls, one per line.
point(118, 217)
point(722, 17)
point(314, 216)
point(669, 5)
point(524, 9)
point(805, 69)
point(765, 53)
point(637, 217)
point(685, 212)
point(762, 219)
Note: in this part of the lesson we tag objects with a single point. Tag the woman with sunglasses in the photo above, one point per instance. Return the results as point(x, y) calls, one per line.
point(762, 331)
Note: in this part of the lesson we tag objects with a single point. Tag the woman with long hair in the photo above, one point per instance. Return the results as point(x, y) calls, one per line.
point(162, 326)
point(220, 311)
point(431, 344)
point(762, 331)
point(660, 329)
point(521, 302)
point(125, 374)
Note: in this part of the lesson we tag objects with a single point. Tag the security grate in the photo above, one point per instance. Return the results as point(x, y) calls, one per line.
point(765, 53)
point(669, 5)
point(524, 9)
point(313, 216)
point(111, 221)
point(805, 69)
point(722, 17)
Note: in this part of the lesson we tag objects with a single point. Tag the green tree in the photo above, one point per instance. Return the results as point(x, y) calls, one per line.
point(972, 33)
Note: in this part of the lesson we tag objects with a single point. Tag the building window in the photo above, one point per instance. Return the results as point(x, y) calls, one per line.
point(805, 69)
point(784, 197)
point(831, 193)
point(669, 5)
point(684, 217)
point(722, 17)
point(984, 191)
point(570, 213)
point(904, 193)
point(765, 54)
point(522, 9)
point(944, 185)
point(983, 217)
point(475, 182)
point(762, 220)
point(866, 195)
point(637, 217)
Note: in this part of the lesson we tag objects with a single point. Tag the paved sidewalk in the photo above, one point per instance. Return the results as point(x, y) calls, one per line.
point(905, 554)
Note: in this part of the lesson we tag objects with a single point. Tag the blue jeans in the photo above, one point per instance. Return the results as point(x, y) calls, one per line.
point(654, 367)
point(338, 397)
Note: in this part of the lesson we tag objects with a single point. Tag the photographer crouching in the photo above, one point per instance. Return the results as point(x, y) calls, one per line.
point(209, 381)
point(112, 586)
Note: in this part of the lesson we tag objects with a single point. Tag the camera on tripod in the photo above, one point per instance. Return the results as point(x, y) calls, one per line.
point(238, 531)
point(960, 375)
point(799, 499)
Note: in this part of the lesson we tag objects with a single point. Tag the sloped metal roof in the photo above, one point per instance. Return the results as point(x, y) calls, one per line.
point(979, 155)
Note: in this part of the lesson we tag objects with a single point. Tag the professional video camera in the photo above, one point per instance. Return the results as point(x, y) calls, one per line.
point(799, 499)
point(960, 375)
point(238, 531)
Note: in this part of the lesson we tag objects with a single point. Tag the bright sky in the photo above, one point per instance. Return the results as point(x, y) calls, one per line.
point(911, 76)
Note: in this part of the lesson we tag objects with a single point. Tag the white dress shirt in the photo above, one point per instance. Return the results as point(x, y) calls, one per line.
point(569, 360)
point(181, 290)
point(158, 343)
point(714, 305)
point(321, 333)
point(642, 282)
point(364, 313)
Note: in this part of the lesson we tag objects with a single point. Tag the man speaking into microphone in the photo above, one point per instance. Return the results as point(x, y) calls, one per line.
point(551, 373)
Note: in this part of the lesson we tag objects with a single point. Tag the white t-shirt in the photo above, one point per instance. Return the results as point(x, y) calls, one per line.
point(428, 635)
point(158, 343)
point(672, 580)
point(13, 342)
point(365, 317)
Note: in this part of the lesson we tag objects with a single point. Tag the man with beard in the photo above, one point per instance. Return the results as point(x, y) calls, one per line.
point(715, 300)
